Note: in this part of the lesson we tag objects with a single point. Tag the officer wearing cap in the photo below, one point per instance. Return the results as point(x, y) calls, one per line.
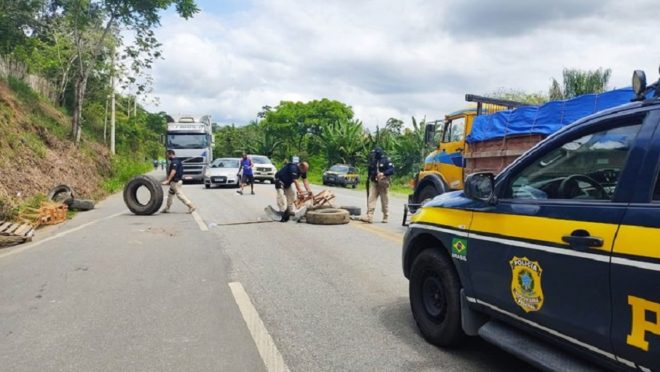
point(380, 171)
point(175, 181)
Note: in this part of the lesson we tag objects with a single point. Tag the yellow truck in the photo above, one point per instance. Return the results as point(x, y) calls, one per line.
point(445, 168)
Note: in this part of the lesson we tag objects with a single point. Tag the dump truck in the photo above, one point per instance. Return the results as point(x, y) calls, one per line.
point(490, 136)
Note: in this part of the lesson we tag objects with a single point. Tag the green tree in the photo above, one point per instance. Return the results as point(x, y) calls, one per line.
point(343, 141)
point(577, 82)
point(95, 26)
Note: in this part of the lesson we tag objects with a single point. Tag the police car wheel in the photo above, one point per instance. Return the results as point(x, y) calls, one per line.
point(434, 290)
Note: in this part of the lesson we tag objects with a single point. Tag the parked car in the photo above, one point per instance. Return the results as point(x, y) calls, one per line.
point(341, 174)
point(263, 169)
point(222, 172)
point(557, 258)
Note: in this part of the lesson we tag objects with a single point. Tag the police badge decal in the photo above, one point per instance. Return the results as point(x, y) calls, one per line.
point(526, 284)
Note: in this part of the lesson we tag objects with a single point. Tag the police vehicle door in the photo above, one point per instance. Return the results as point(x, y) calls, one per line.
point(636, 262)
point(542, 253)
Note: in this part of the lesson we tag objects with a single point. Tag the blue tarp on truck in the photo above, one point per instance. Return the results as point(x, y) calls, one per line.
point(544, 119)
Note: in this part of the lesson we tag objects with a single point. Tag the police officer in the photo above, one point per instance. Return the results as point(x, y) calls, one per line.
point(380, 171)
point(284, 179)
point(175, 180)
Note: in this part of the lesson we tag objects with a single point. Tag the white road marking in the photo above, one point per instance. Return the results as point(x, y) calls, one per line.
point(58, 235)
point(265, 344)
point(200, 221)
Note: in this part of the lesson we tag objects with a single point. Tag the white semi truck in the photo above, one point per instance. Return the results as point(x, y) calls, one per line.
point(192, 141)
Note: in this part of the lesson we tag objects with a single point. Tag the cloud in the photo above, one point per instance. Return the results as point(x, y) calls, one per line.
point(388, 58)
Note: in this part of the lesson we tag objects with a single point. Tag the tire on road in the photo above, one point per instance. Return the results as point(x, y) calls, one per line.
point(155, 198)
point(434, 291)
point(81, 204)
point(353, 211)
point(328, 216)
point(61, 194)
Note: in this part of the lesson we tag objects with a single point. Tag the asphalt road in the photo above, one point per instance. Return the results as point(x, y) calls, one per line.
point(112, 291)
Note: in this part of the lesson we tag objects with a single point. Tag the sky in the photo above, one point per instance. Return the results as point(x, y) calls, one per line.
point(390, 58)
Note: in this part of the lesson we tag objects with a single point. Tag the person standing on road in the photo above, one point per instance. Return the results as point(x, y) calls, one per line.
point(284, 179)
point(248, 176)
point(175, 181)
point(380, 171)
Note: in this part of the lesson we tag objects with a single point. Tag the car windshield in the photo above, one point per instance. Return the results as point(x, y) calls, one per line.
point(339, 168)
point(260, 159)
point(187, 141)
point(225, 163)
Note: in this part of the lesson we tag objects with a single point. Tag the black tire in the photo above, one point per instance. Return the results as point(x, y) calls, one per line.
point(353, 211)
point(434, 290)
point(207, 186)
point(428, 192)
point(155, 200)
point(355, 183)
point(329, 216)
point(81, 205)
point(61, 194)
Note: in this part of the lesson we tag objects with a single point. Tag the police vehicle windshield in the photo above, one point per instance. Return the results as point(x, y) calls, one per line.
point(339, 168)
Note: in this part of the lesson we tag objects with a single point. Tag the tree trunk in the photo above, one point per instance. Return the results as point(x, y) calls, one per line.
point(79, 97)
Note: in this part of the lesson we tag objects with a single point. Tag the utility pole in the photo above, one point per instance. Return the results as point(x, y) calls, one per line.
point(112, 116)
point(105, 122)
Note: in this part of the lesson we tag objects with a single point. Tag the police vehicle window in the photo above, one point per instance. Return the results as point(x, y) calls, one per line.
point(587, 168)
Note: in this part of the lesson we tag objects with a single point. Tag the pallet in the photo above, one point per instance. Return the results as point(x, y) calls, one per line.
point(15, 233)
point(322, 199)
point(49, 213)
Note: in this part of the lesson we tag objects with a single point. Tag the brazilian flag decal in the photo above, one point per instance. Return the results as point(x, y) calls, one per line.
point(459, 248)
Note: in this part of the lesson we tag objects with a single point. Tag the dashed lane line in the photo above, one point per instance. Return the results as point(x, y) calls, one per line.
point(200, 221)
point(265, 345)
point(58, 235)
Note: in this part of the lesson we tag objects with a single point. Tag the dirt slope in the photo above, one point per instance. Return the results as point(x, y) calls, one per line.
point(35, 154)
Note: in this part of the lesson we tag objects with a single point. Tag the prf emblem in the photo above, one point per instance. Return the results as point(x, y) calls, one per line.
point(526, 284)
point(641, 324)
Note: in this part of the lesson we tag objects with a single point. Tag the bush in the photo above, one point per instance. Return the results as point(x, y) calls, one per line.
point(123, 169)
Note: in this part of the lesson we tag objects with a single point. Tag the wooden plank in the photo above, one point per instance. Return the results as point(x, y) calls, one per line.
point(24, 229)
point(5, 226)
point(13, 228)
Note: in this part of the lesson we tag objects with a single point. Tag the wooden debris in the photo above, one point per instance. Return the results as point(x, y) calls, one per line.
point(322, 199)
point(49, 213)
point(15, 233)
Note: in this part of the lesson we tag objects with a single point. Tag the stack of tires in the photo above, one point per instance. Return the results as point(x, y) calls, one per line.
point(64, 194)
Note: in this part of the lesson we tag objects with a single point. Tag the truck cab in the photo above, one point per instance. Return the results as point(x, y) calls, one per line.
point(192, 141)
point(559, 253)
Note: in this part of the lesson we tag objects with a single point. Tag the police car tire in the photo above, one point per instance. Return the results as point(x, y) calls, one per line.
point(155, 199)
point(353, 211)
point(328, 216)
point(81, 205)
point(61, 193)
point(446, 331)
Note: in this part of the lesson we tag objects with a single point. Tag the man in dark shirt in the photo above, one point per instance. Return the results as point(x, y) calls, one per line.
point(380, 171)
point(175, 180)
point(284, 179)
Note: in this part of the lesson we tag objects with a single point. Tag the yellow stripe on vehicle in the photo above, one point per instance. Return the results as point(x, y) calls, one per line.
point(456, 218)
point(638, 241)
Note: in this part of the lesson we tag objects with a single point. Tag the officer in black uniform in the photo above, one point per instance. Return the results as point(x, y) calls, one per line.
point(284, 179)
point(380, 170)
point(175, 181)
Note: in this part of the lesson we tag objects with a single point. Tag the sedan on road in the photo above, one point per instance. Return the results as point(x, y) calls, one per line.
point(222, 172)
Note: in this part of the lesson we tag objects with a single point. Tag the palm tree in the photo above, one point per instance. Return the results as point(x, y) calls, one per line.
point(577, 82)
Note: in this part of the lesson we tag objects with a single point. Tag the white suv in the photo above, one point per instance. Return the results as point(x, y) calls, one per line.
point(263, 169)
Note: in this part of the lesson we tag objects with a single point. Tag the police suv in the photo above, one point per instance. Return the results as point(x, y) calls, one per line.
point(557, 258)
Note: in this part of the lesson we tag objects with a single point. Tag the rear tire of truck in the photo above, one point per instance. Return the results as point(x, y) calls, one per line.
point(155, 199)
point(328, 216)
point(434, 291)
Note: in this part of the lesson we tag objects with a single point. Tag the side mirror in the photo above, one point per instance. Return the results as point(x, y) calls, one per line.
point(480, 186)
point(639, 85)
point(429, 133)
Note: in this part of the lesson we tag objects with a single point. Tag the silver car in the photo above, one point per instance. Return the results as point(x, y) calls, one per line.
point(222, 172)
